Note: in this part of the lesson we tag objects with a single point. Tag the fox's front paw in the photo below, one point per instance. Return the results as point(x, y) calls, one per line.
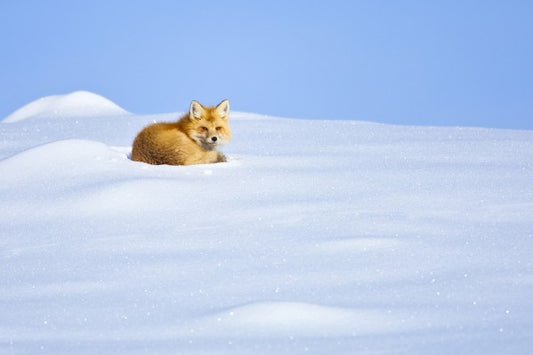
point(221, 158)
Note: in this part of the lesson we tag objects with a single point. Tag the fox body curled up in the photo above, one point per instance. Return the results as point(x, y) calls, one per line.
point(193, 139)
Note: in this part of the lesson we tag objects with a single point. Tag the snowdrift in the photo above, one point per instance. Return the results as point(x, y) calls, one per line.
point(316, 237)
point(76, 104)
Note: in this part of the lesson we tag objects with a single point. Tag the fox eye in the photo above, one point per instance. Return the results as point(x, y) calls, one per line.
point(204, 129)
point(219, 128)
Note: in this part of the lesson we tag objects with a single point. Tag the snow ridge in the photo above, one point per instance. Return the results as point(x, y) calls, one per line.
point(75, 104)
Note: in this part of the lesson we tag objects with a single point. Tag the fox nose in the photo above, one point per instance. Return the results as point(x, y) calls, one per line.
point(214, 139)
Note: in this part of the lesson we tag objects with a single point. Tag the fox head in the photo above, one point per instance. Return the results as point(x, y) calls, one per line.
point(208, 126)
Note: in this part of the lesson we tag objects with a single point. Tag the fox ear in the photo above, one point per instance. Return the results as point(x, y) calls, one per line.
point(223, 109)
point(196, 110)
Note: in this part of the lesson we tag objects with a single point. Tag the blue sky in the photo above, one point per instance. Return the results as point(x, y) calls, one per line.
point(450, 62)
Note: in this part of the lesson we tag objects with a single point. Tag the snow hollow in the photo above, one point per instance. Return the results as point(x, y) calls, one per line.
point(322, 237)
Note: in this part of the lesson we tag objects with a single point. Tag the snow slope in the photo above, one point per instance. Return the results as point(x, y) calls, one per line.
point(316, 237)
point(75, 104)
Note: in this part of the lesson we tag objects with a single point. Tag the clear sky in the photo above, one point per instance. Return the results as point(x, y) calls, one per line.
point(449, 62)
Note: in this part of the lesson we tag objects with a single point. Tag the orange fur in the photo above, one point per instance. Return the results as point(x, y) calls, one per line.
point(193, 139)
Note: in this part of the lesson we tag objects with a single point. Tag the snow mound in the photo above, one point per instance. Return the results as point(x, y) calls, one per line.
point(304, 319)
point(75, 104)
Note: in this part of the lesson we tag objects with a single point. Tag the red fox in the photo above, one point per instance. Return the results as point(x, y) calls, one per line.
point(193, 139)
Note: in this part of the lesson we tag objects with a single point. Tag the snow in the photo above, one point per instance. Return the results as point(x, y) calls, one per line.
point(75, 104)
point(315, 237)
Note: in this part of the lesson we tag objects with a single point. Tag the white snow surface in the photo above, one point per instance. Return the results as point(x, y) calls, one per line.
point(321, 237)
point(75, 104)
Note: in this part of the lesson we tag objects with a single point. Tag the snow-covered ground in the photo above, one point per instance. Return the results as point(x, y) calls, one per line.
point(317, 236)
